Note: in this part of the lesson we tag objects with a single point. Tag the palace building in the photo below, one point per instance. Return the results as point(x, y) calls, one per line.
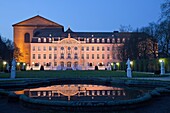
point(43, 42)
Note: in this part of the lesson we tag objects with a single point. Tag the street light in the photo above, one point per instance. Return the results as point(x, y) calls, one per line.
point(4, 64)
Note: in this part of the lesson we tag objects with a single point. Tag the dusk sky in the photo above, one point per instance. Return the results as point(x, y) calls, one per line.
point(80, 15)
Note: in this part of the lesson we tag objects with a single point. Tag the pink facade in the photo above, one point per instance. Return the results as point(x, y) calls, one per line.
point(70, 53)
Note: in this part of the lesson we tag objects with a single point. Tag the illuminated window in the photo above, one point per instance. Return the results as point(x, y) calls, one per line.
point(98, 40)
point(108, 92)
point(49, 39)
point(38, 93)
point(87, 39)
point(113, 93)
point(113, 40)
point(103, 92)
point(102, 40)
point(44, 93)
point(39, 39)
point(108, 40)
point(93, 40)
point(45, 40)
point(98, 93)
point(123, 40)
point(118, 40)
point(93, 92)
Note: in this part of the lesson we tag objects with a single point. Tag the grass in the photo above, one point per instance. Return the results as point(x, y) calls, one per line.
point(73, 74)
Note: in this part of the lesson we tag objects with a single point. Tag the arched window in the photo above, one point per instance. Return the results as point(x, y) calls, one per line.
point(27, 38)
point(62, 55)
point(75, 56)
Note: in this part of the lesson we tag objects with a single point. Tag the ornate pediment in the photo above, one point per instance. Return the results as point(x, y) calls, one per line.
point(69, 41)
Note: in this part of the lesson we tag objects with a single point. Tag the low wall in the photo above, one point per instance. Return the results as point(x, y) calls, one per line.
point(164, 88)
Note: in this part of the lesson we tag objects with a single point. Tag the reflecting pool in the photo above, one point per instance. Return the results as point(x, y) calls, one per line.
point(82, 92)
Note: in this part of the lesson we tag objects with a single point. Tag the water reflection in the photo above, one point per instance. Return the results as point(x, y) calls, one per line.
point(80, 92)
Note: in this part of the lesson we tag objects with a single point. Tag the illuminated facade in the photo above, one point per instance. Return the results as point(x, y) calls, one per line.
point(45, 43)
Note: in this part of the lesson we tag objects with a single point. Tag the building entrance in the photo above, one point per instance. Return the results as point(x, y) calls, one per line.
point(68, 64)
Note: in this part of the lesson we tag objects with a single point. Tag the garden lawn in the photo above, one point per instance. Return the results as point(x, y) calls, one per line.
point(74, 74)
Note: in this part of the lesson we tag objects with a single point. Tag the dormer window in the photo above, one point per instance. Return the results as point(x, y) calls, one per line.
point(39, 39)
point(98, 40)
point(108, 40)
point(45, 40)
point(113, 40)
point(102, 40)
point(87, 39)
point(49, 39)
point(118, 40)
point(92, 40)
point(123, 40)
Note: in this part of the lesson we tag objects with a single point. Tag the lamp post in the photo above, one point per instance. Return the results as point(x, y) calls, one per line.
point(162, 67)
point(18, 65)
point(4, 64)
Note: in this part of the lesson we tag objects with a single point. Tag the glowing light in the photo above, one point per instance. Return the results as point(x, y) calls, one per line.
point(131, 62)
point(4, 62)
point(117, 63)
point(18, 63)
point(32, 63)
point(24, 64)
point(112, 64)
point(160, 60)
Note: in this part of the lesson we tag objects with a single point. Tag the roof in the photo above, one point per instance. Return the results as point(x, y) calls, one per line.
point(38, 21)
point(60, 33)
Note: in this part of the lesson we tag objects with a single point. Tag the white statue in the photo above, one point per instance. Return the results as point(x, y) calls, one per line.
point(129, 73)
point(109, 67)
point(13, 69)
point(162, 68)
